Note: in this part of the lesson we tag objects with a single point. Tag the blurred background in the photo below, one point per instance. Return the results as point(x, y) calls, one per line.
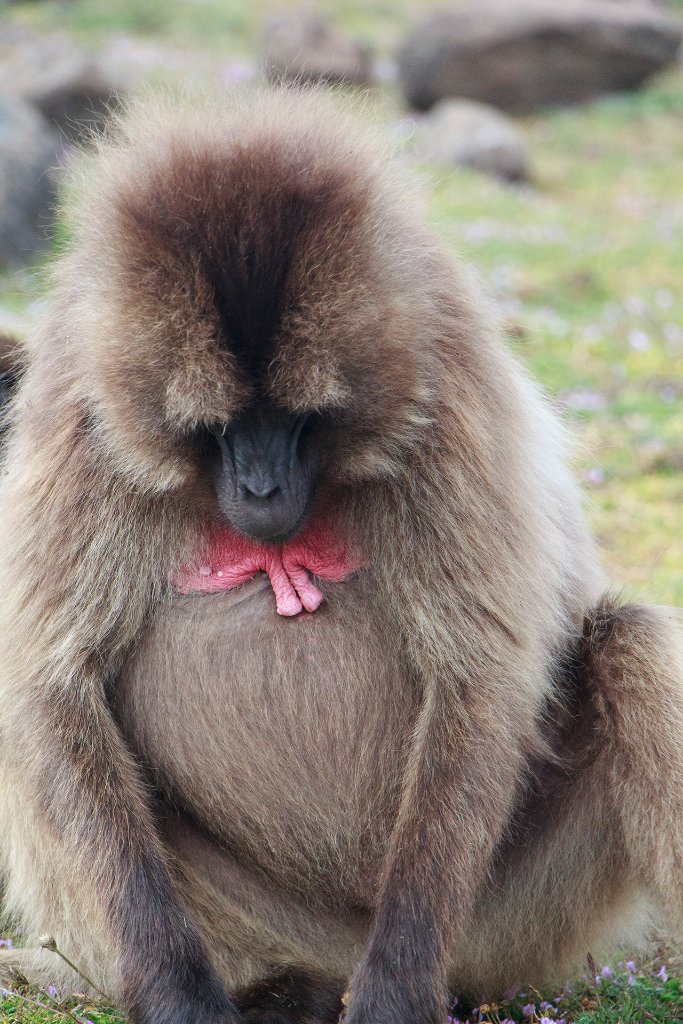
point(547, 136)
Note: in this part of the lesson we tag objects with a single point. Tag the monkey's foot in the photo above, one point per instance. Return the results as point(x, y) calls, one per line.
point(229, 559)
point(292, 997)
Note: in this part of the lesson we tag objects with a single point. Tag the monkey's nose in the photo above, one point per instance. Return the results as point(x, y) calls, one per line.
point(264, 491)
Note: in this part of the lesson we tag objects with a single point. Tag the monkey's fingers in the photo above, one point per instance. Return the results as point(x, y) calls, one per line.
point(311, 598)
point(286, 599)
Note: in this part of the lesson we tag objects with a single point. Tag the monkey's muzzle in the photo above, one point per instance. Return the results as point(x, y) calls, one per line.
point(266, 474)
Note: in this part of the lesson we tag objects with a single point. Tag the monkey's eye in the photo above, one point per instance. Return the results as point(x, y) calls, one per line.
point(204, 440)
point(303, 430)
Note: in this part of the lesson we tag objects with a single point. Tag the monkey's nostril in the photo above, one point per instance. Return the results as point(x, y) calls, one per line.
point(262, 492)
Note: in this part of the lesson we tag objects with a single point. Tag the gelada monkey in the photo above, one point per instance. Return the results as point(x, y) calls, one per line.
point(307, 679)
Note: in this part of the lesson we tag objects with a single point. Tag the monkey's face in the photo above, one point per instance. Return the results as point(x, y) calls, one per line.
point(264, 324)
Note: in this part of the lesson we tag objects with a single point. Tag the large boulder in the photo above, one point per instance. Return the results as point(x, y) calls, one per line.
point(66, 84)
point(463, 133)
point(533, 53)
point(305, 47)
point(28, 151)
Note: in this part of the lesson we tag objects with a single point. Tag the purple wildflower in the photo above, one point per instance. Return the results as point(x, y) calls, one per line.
point(634, 304)
point(595, 475)
point(6, 943)
point(545, 1007)
point(631, 966)
point(606, 972)
point(546, 1020)
point(51, 991)
point(661, 973)
point(529, 1009)
point(638, 340)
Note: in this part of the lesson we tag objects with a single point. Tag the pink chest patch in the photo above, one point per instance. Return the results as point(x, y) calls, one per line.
point(230, 560)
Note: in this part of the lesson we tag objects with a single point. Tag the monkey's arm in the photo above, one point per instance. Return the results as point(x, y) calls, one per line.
point(474, 620)
point(458, 793)
point(74, 787)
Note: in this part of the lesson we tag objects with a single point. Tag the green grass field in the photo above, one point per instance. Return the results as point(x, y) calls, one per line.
point(586, 265)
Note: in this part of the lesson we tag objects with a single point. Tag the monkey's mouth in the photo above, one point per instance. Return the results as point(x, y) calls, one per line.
point(282, 538)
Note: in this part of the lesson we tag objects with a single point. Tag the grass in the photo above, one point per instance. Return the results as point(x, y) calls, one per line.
point(628, 993)
point(586, 266)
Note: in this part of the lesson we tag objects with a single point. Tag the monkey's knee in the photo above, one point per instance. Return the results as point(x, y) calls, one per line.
point(633, 668)
point(631, 660)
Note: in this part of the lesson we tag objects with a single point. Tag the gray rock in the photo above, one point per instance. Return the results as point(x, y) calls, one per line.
point(306, 47)
point(63, 82)
point(463, 133)
point(534, 53)
point(28, 148)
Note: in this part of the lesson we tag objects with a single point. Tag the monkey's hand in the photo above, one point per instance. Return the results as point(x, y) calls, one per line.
point(381, 992)
point(230, 559)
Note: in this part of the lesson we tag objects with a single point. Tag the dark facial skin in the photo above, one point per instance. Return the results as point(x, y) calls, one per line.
point(265, 472)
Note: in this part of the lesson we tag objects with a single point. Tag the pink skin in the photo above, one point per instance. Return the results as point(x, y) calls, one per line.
point(230, 560)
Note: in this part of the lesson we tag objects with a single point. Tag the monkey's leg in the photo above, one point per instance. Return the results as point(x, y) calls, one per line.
point(459, 792)
point(634, 658)
point(599, 837)
point(164, 972)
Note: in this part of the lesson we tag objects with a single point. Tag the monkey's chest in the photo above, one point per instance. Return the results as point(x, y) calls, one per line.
point(284, 738)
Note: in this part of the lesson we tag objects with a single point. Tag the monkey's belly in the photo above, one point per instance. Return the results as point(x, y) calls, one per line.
point(283, 738)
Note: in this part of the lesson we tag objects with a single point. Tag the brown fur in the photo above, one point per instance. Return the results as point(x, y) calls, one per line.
point(464, 768)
